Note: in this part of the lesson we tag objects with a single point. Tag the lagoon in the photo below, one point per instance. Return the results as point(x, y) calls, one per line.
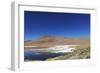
point(43, 54)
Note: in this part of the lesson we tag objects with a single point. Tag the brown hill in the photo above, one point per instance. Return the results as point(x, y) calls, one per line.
point(48, 41)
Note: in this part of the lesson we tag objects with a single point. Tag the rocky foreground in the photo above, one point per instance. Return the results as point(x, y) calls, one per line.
point(76, 54)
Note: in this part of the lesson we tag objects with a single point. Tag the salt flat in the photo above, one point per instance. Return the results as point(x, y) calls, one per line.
point(54, 49)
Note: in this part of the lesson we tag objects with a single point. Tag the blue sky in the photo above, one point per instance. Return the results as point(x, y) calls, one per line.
point(69, 25)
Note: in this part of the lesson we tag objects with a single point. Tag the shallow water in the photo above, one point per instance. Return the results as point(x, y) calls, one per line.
point(41, 56)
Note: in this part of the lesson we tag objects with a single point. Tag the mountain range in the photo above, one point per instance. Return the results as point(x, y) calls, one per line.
point(48, 41)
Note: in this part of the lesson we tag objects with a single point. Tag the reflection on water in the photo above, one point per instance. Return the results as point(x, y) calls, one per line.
point(31, 55)
point(43, 54)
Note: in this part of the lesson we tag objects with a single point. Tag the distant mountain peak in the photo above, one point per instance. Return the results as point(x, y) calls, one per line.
point(48, 38)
